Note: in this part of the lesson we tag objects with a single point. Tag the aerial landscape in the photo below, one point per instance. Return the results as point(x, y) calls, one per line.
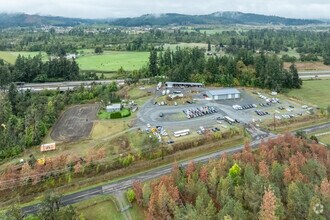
point(136, 110)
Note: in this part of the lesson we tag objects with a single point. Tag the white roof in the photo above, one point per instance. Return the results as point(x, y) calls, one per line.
point(114, 106)
point(224, 91)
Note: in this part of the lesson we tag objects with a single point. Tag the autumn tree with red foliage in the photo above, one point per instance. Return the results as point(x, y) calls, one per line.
point(137, 187)
point(268, 206)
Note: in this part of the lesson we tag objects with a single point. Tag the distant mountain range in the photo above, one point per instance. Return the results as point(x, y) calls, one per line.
point(214, 18)
point(25, 20)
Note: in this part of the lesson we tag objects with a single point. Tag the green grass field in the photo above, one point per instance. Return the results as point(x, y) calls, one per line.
point(290, 52)
point(324, 139)
point(182, 45)
point(314, 92)
point(112, 61)
point(10, 56)
point(99, 208)
point(103, 208)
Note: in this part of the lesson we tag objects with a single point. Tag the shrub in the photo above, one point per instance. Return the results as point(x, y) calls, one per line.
point(130, 195)
point(115, 115)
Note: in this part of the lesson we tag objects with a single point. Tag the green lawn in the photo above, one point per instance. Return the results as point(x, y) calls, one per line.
point(314, 92)
point(103, 114)
point(11, 56)
point(112, 61)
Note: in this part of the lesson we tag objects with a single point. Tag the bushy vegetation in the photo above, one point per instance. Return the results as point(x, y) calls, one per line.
point(25, 117)
point(288, 178)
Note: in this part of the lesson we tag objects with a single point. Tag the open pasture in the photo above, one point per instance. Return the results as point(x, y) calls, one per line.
point(112, 61)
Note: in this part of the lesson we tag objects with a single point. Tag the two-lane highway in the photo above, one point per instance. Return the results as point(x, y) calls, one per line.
point(158, 172)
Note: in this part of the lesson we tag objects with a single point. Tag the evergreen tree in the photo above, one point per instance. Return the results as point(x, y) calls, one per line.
point(296, 81)
point(153, 68)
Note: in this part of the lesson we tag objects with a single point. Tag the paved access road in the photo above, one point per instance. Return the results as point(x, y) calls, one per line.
point(158, 172)
point(314, 74)
point(63, 86)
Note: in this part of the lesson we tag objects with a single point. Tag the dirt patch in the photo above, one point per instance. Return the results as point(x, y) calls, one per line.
point(305, 66)
point(75, 123)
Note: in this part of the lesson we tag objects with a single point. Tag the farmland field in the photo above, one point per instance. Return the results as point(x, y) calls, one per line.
point(314, 92)
point(113, 60)
point(10, 56)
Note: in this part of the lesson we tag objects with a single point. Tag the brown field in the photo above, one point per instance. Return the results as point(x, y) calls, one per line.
point(307, 66)
point(75, 123)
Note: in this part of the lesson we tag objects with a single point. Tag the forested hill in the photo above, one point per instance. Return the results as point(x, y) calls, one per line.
point(214, 18)
point(25, 20)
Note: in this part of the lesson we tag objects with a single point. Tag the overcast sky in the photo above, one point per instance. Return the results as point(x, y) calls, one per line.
point(129, 8)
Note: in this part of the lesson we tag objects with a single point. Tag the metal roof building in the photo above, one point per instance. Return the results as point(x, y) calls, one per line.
point(183, 84)
point(113, 108)
point(224, 94)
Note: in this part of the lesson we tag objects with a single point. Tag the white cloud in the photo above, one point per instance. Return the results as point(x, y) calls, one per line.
point(120, 8)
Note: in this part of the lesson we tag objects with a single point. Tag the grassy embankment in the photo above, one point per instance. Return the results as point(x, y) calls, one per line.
point(315, 92)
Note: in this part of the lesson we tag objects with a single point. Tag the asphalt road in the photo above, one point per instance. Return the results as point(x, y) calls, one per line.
point(63, 86)
point(314, 74)
point(158, 172)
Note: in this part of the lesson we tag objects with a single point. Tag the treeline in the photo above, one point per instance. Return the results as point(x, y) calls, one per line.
point(245, 69)
point(288, 178)
point(305, 42)
point(25, 117)
point(33, 69)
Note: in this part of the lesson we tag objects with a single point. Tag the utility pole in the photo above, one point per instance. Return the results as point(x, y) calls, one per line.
point(274, 122)
point(162, 150)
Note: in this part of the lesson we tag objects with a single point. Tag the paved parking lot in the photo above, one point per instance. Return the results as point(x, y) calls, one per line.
point(173, 118)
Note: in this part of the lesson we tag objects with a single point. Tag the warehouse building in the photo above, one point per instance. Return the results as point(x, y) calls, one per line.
point(113, 108)
point(224, 94)
point(183, 84)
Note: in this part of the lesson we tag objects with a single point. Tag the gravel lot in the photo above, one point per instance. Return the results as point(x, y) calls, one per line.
point(75, 123)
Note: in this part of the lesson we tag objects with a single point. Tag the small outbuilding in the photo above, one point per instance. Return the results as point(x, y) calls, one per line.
point(114, 107)
point(224, 94)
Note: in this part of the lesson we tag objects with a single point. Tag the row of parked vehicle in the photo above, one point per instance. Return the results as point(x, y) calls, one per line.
point(202, 130)
point(269, 100)
point(243, 107)
point(261, 113)
point(199, 111)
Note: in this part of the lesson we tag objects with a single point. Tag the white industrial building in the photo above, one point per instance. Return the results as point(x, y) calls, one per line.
point(113, 108)
point(224, 94)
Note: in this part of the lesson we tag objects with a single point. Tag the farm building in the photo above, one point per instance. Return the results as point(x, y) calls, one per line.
point(183, 84)
point(224, 94)
point(113, 108)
